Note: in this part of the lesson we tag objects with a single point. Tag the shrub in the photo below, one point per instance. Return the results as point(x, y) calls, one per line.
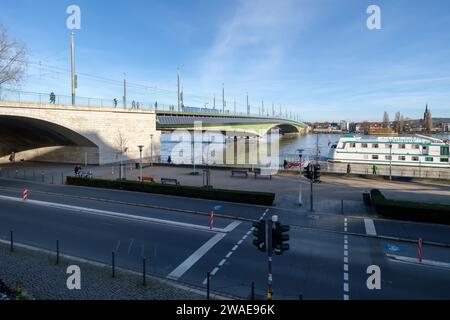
point(408, 210)
point(250, 197)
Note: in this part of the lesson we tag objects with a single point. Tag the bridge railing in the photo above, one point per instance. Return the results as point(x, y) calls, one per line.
point(131, 104)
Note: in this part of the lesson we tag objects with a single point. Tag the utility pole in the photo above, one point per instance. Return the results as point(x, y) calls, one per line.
point(248, 106)
point(273, 109)
point(178, 88)
point(214, 102)
point(262, 108)
point(223, 98)
point(124, 91)
point(74, 76)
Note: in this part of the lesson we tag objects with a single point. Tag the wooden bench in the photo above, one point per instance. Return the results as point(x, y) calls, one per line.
point(147, 179)
point(259, 172)
point(170, 181)
point(239, 172)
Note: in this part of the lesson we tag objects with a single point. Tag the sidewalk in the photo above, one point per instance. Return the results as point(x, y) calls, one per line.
point(38, 275)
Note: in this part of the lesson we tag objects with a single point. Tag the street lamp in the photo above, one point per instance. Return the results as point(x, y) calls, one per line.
point(151, 150)
point(390, 160)
point(300, 155)
point(140, 162)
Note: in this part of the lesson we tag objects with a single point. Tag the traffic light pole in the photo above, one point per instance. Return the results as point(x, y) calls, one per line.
point(269, 258)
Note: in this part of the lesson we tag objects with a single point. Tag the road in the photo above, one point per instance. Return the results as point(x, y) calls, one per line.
point(328, 259)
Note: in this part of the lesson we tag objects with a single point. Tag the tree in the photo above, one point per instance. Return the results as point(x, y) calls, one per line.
point(386, 122)
point(13, 57)
point(401, 126)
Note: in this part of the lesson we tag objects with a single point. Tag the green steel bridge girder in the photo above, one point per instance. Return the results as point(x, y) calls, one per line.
point(253, 129)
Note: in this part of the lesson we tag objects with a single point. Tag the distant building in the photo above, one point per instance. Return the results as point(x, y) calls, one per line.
point(345, 126)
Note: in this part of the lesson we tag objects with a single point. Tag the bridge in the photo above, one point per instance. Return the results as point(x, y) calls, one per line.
point(90, 133)
point(233, 125)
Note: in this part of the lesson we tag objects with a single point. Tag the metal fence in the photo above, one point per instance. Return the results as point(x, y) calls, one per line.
point(8, 95)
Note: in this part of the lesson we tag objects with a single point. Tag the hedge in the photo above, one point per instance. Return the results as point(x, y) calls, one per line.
point(408, 210)
point(249, 197)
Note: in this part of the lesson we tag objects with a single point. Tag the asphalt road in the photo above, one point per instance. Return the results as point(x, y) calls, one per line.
point(328, 259)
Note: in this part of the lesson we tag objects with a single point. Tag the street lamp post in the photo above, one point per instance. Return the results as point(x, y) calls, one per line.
point(151, 150)
point(390, 161)
point(140, 163)
point(300, 155)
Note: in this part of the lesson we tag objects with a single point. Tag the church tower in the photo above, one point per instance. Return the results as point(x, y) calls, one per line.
point(427, 120)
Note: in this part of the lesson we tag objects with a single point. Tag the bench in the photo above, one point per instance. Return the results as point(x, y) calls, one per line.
point(259, 172)
point(170, 181)
point(239, 172)
point(147, 179)
point(85, 174)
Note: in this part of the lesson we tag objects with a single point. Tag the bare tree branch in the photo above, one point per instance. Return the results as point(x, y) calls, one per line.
point(13, 59)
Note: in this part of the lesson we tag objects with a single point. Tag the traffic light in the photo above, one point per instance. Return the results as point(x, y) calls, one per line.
point(307, 172)
point(317, 173)
point(260, 235)
point(280, 238)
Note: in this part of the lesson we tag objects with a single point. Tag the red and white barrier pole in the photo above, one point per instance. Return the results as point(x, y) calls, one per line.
point(211, 220)
point(25, 194)
point(420, 250)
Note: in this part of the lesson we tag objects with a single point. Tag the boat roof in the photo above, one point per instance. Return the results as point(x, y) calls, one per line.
point(408, 139)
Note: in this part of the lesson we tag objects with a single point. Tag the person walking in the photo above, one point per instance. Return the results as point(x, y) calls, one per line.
point(115, 103)
point(12, 157)
point(169, 160)
point(133, 105)
point(374, 170)
point(52, 98)
point(138, 105)
point(349, 169)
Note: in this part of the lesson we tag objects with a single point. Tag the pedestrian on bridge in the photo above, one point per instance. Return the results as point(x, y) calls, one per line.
point(52, 98)
point(115, 103)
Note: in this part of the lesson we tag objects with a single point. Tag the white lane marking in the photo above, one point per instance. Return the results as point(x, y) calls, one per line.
point(345, 229)
point(346, 297)
point(231, 226)
point(345, 253)
point(345, 247)
point(234, 248)
point(214, 271)
point(346, 267)
point(370, 227)
point(189, 262)
point(345, 241)
point(245, 237)
point(250, 232)
point(425, 263)
point(346, 237)
point(346, 220)
point(345, 276)
point(130, 246)
point(240, 242)
point(345, 259)
point(229, 254)
point(221, 263)
point(346, 289)
point(118, 245)
point(119, 215)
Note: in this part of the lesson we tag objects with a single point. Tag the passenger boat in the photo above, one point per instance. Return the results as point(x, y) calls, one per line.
point(417, 150)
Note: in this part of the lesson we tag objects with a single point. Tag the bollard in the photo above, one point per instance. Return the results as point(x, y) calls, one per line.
point(253, 291)
point(62, 177)
point(113, 264)
point(144, 273)
point(11, 245)
point(57, 252)
point(420, 250)
point(53, 178)
point(342, 207)
point(208, 279)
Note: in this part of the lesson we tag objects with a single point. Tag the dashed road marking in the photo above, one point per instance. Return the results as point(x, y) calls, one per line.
point(240, 242)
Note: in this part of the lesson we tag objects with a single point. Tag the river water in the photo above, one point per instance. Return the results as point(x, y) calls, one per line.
point(310, 145)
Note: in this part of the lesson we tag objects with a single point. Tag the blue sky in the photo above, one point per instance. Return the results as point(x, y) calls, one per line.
point(314, 57)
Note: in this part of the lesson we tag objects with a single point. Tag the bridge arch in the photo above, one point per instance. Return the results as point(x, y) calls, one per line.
point(33, 139)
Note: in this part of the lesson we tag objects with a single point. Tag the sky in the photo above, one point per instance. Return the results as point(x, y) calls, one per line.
point(316, 58)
